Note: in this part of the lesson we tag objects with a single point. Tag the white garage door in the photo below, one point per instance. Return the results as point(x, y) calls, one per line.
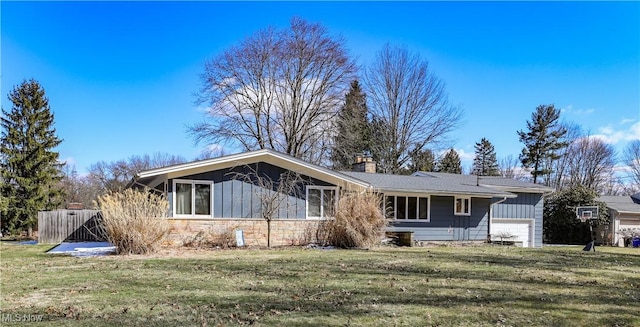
point(629, 223)
point(521, 229)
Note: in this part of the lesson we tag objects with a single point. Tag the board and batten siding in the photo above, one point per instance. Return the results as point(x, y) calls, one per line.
point(445, 226)
point(235, 198)
point(525, 206)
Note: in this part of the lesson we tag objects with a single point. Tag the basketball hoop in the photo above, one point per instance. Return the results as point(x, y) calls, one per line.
point(587, 213)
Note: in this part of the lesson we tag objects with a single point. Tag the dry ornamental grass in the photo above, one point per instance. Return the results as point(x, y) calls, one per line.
point(133, 220)
point(358, 221)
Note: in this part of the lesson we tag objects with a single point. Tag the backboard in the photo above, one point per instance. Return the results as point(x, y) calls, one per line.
point(584, 213)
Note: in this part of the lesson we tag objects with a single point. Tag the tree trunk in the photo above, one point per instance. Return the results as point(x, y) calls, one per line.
point(269, 233)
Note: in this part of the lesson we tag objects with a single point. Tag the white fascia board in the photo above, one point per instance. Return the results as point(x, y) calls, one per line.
point(241, 159)
point(448, 193)
point(541, 190)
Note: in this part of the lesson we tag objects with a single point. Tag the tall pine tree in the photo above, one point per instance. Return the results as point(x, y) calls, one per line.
point(450, 163)
point(353, 132)
point(30, 172)
point(542, 141)
point(485, 162)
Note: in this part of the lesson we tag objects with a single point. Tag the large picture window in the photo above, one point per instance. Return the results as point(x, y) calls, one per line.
point(406, 207)
point(192, 198)
point(321, 202)
point(462, 206)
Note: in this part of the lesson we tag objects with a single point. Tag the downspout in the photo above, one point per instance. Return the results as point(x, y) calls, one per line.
point(491, 216)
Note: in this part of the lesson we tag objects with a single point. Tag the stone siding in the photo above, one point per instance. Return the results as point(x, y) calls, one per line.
point(283, 232)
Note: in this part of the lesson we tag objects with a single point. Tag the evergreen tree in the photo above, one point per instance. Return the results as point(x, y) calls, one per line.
point(30, 168)
point(542, 140)
point(560, 224)
point(422, 160)
point(353, 132)
point(450, 163)
point(485, 162)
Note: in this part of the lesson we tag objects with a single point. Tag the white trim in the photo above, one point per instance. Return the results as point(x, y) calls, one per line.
point(322, 189)
point(455, 207)
point(518, 189)
point(241, 159)
point(193, 183)
point(395, 196)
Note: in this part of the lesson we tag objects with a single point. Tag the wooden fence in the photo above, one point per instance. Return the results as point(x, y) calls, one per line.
point(68, 226)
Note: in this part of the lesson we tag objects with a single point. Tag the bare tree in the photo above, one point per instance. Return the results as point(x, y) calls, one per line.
point(510, 168)
point(590, 164)
point(78, 188)
point(115, 175)
point(631, 158)
point(272, 193)
point(277, 89)
point(558, 172)
point(410, 103)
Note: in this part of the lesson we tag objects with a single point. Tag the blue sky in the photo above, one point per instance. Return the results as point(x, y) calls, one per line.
point(121, 75)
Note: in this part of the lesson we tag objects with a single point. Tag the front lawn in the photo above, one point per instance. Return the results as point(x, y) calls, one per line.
point(433, 286)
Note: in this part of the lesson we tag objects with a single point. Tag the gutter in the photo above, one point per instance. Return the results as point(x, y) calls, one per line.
point(491, 216)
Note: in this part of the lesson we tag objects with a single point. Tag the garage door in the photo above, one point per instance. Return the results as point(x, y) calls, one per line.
point(629, 223)
point(521, 229)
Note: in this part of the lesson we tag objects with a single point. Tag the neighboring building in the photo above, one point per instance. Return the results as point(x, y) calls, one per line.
point(624, 213)
point(208, 195)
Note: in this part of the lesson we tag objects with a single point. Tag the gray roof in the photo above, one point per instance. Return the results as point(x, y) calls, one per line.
point(440, 184)
point(497, 182)
point(624, 204)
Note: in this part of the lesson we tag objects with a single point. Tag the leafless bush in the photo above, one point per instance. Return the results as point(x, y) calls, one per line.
point(213, 238)
point(358, 221)
point(133, 220)
point(503, 236)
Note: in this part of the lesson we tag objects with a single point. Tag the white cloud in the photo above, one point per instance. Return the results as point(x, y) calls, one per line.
point(626, 121)
point(569, 110)
point(465, 156)
point(613, 135)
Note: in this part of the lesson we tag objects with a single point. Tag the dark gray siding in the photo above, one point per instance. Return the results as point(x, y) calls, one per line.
point(537, 238)
point(445, 226)
point(233, 197)
point(525, 206)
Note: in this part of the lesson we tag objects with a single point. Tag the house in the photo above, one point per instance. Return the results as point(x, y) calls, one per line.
point(208, 195)
point(624, 213)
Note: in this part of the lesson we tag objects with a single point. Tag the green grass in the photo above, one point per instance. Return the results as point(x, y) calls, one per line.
point(436, 286)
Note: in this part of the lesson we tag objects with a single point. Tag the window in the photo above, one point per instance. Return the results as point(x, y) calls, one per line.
point(192, 198)
point(462, 206)
point(321, 201)
point(406, 207)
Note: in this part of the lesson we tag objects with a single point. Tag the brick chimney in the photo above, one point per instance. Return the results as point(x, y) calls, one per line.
point(364, 164)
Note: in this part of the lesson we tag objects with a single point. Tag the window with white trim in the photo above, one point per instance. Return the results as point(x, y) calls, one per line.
point(192, 198)
point(406, 207)
point(321, 201)
point(462, 206)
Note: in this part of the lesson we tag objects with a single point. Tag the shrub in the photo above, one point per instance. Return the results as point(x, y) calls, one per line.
point(213, 238)
point(560, 224)
point(358, 222)
point(133, 220)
